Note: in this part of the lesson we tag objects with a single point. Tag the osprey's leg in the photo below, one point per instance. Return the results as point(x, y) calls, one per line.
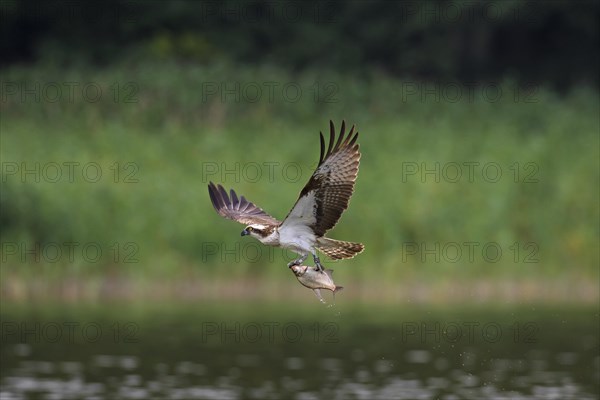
point(297, 261)
point(317, 262)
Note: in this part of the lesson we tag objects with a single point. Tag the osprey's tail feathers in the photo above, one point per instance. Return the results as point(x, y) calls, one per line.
point(337, 249)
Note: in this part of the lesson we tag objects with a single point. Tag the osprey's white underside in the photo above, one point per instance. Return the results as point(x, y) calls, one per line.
point(295, 233)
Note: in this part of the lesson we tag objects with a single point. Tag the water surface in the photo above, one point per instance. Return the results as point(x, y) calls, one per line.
point(265, 351)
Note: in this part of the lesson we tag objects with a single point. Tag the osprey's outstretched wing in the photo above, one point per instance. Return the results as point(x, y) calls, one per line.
point(327, 193)
point(240, 210)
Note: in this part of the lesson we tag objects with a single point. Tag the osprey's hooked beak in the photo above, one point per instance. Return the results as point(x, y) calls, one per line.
point(245, 232)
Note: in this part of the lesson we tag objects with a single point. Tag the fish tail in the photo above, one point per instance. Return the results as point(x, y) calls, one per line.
point(338, 289)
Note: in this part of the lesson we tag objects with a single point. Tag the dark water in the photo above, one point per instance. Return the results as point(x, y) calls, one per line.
point(262, 351)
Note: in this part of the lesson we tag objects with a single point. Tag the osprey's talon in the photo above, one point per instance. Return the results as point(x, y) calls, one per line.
point(318, 264)
point(297, 261)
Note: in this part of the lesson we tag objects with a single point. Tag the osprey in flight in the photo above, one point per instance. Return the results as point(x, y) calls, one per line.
point(319, 207)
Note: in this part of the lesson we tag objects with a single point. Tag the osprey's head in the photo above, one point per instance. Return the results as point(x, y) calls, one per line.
point(266, 234)
point(257, 231)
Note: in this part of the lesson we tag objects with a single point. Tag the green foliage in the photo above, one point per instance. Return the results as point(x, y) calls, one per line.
point(154, 139)
point(552, 42)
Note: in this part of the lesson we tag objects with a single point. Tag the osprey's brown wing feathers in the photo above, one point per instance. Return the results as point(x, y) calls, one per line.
point(240, 210)
point(328, 191)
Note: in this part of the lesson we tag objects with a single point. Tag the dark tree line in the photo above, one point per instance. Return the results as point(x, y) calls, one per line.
point(550, 41)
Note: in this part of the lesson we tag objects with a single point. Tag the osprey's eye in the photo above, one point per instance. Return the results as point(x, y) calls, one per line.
point(249, 229)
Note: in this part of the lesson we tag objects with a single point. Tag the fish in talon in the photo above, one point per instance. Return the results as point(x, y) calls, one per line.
point(316, 280)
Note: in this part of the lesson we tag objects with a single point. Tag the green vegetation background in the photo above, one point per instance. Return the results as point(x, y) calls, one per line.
point(173, 130)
